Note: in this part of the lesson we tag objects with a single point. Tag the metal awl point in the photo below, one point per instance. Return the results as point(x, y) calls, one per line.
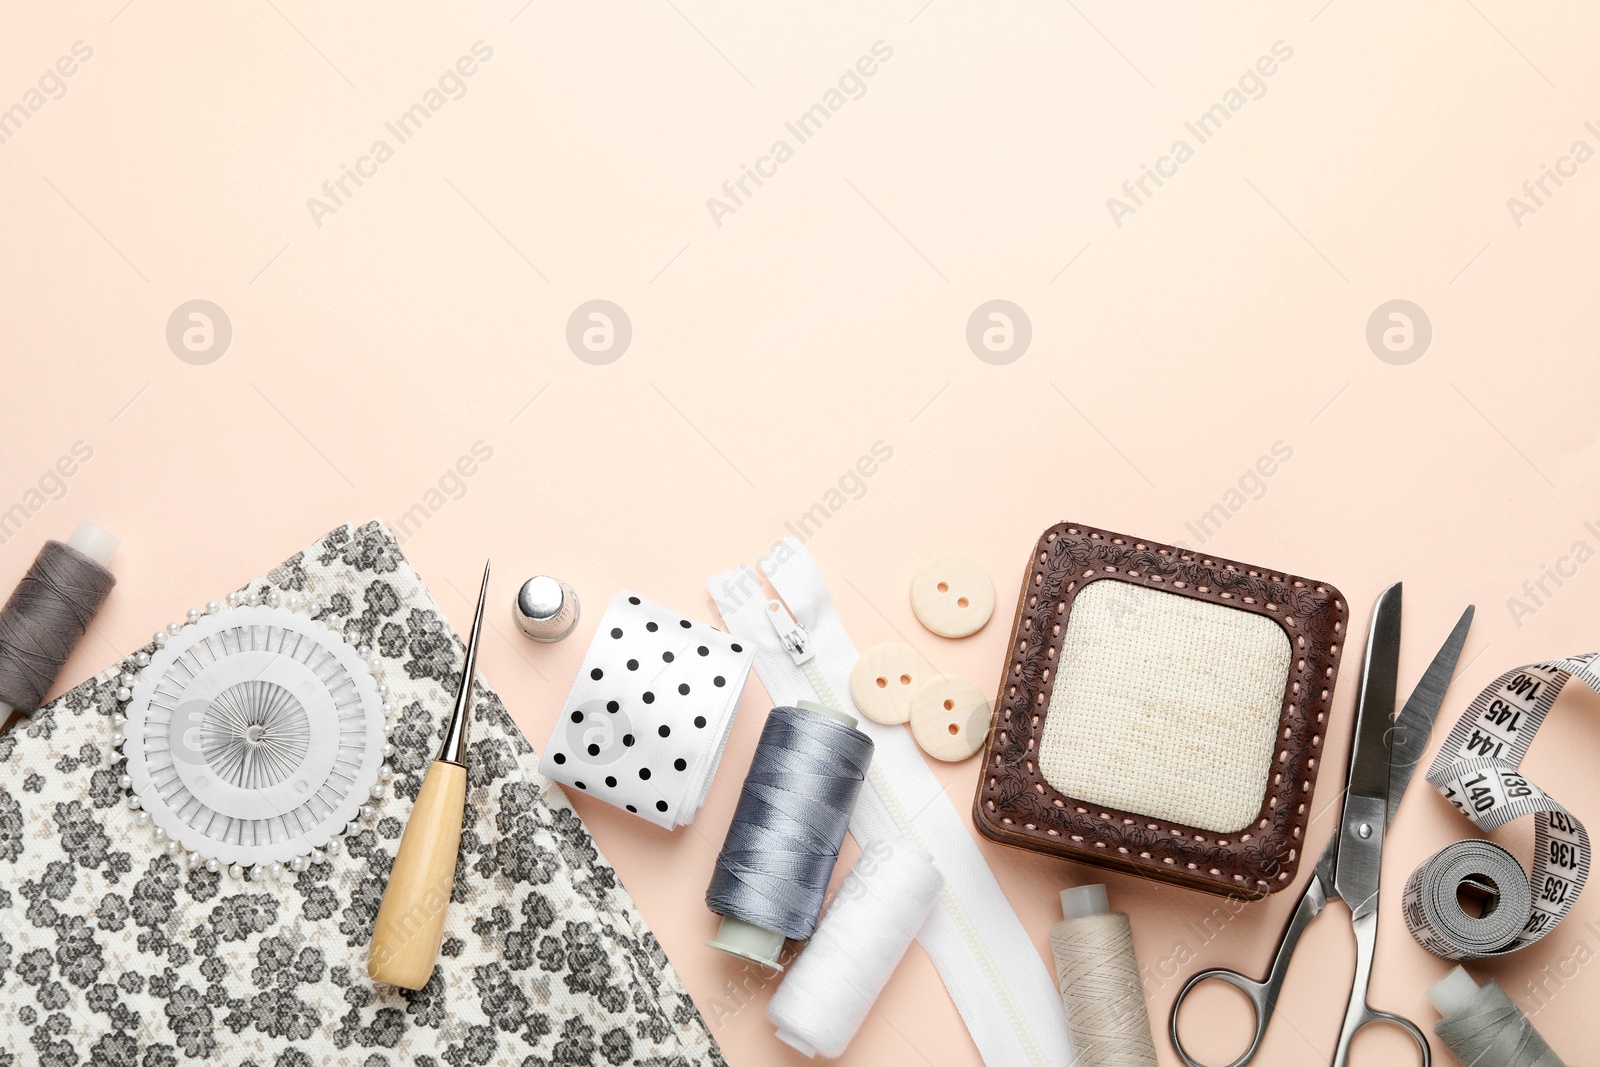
point(454, 748)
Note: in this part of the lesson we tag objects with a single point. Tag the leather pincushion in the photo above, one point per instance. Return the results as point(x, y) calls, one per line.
point(1161, 712)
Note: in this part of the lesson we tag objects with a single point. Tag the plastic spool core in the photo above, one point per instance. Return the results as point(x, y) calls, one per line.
point(93, 542)
point(1452, 993)
point(1084, 900)
point(832, 713)
point(757, 943)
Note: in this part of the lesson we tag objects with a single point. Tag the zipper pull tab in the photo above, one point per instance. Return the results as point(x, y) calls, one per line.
point(795, 640)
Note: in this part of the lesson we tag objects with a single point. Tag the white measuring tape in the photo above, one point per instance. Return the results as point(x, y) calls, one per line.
point(1477, 772)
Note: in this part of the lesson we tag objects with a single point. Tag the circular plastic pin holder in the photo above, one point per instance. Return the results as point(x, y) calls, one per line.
point(254, 737)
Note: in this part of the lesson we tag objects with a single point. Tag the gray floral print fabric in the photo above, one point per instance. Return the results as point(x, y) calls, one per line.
point(112, 956)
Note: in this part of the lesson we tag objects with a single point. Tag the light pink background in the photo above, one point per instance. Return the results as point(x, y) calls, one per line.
point(1229, 312)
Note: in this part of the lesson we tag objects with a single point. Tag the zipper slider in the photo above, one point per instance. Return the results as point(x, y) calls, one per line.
point(795, 640)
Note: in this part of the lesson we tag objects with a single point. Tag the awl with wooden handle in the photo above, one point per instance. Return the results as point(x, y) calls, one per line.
point(405, 938)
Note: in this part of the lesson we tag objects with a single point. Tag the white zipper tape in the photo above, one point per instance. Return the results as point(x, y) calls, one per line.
point(989, 964)
point(1477, 771)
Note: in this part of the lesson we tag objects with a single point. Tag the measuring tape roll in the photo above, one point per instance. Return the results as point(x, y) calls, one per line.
point(1476, 771)
point(1434, 912)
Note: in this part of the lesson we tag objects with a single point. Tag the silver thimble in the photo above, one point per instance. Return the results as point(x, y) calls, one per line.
point(546, 608)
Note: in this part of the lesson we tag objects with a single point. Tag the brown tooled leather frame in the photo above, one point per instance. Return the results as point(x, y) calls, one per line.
point(1015, 805)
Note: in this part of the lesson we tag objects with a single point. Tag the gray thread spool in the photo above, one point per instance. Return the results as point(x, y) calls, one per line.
point(772, 874)
point(1482, 1028)
point(49, 612)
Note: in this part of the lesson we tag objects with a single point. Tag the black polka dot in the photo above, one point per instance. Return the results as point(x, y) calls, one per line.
point(577, 716)
point(683, 688)
point(612, 706)
point(597, 674)
point(633, 664)
point(652, 627)
point(719, 681)
point(649, 697)
point(616, 632)
point(610, 781)
point(703, 650)
point(594, 750)
point(634, 601)
point(700, 721)
point(627, 740)
point(681, 764)
point(661, 805)
point(633, 809)
point(666, 657)
point(580, 785)
point(684, 623)
point(560, 758)
point(644, 774)
point(737, 647)
point(665, 731)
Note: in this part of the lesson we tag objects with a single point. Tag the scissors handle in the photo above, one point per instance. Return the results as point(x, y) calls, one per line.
point(1263, 995)
point(1260, 994)
point(1358, 1013)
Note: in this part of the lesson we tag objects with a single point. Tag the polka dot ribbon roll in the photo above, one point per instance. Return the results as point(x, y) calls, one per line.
point(648, 715)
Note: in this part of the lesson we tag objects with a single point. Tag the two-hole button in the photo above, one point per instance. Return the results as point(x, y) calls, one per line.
point(952, 595)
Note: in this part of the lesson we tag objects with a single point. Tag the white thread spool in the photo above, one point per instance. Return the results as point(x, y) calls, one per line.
point(1481, 1026)
point(1098, 976)
point(830, 989)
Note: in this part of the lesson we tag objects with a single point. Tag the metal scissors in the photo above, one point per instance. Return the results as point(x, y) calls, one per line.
point(1383, 754)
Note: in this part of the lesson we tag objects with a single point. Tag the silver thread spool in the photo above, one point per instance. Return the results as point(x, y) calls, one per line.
point(546, 608)
point(772, 873)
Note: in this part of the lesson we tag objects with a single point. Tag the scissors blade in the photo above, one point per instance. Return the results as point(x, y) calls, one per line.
point(1409, 740)
point(1330, 854)
point(1358, 855)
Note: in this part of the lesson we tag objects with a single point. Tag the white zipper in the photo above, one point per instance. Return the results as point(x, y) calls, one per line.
point(797, 643)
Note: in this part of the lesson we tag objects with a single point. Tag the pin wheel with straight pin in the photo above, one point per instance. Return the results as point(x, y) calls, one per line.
point(254, 737)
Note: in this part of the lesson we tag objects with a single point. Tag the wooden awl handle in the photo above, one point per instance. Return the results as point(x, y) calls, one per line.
point(405, 938)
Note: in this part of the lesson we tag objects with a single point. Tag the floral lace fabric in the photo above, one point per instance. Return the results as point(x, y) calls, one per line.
point(111, 955)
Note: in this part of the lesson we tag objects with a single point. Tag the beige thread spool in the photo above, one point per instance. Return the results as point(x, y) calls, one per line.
point(1098, 976)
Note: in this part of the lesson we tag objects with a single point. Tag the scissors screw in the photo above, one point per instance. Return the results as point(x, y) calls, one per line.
point(1364, 830)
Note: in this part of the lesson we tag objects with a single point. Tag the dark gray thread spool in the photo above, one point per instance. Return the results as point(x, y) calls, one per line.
point(772, 874)
point(49, 612)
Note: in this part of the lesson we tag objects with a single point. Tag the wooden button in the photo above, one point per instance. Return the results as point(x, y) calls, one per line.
point(950, 718)
point(952, 595)
point(885, 679)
